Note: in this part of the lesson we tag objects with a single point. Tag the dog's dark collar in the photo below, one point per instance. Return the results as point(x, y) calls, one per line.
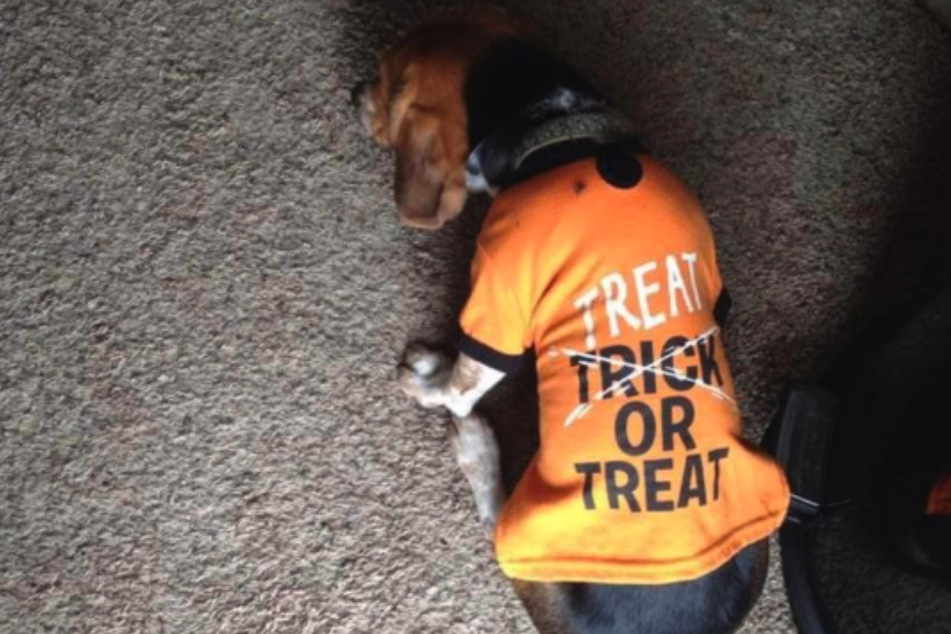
point(599, 127)
point(505, 158)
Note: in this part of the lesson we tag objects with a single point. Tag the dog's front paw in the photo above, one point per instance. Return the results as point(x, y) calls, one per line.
point(424, 374)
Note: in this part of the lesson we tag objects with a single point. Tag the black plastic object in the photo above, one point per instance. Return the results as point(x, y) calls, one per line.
point(802, 600)
point(860, 554)
point(800, 437)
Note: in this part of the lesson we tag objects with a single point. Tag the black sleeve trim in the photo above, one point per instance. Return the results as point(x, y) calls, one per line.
point(507, 363)
point(722, 308)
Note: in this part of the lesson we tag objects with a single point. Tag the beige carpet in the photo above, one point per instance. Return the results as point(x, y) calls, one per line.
point(204, 289)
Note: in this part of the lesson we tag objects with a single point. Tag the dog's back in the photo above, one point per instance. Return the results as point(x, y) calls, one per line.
point(716, 603)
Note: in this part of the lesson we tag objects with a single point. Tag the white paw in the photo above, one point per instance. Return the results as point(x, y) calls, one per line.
point(424, 374)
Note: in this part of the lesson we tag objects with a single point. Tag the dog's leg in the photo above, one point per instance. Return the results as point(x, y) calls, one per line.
point(434, 380)
point(477, 454)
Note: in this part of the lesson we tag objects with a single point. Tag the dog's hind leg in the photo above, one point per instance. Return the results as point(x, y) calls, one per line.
point(477, 454)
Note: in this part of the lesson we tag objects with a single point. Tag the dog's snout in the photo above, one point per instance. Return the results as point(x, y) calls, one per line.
point(362, 104)
point(358, 93)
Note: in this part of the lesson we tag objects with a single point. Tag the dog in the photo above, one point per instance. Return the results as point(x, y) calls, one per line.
point(643, 511)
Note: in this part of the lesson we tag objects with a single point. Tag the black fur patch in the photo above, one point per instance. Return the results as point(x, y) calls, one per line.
point(716, 603)
point(504, 88)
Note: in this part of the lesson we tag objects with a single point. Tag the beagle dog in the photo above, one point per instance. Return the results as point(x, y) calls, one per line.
point(644, 510)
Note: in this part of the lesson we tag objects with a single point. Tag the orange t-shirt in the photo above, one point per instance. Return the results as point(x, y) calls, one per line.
point(641, 476)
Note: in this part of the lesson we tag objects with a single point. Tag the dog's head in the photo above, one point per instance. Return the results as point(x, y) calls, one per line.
point(417, 107)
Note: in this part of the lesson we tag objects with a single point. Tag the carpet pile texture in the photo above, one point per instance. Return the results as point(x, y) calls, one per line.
point(204, 289)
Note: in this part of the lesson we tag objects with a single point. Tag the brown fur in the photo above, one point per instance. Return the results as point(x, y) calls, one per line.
point(417, 107)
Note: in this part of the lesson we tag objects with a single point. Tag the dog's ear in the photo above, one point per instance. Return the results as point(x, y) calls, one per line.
point(431, 147)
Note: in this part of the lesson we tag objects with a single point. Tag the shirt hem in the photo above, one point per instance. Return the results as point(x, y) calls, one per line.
point(641, 572)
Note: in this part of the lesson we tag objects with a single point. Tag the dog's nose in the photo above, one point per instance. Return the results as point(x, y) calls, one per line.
point(358, 94)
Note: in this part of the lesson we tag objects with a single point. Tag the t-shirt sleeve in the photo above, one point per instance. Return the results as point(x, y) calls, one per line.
point(494, 323)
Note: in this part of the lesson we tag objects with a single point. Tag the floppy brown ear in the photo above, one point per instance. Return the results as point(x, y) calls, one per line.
point(430, 168)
